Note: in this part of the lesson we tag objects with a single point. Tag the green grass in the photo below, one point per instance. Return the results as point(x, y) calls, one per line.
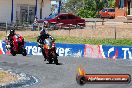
point(31, 39)
point(1, 36)
point(126, 42)
point(74, 40)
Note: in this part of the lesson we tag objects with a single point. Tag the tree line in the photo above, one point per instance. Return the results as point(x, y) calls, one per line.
point(86, 8)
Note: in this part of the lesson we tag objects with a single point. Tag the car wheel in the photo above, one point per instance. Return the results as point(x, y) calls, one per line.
point(52, 26)
point(100, 16)
point(109, 16)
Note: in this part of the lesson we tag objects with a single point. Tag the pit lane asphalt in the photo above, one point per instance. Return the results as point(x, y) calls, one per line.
point(64, 75)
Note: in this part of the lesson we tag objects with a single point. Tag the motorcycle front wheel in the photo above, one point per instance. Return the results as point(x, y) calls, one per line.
point(24, 53)
point(50, 60)
point(55, 58)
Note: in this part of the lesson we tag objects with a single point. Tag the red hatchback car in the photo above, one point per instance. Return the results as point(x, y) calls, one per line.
point(107, 12)
point(64, 19)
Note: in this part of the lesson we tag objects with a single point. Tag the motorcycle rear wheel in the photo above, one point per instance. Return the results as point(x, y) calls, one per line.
point(55, 58)
point(56, 61)
point(13, 53)
point(50, 61)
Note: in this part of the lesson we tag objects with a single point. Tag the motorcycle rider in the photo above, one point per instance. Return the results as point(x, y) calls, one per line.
point(10, 38)
point(43, 35)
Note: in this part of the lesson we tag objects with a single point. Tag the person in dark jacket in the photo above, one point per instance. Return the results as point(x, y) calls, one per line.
point(43, 35)
point(10, 38)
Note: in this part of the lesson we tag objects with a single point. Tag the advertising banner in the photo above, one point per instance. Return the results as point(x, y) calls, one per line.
point(79, 50)
point(2, 47)
point(120, 52)
point(92, 51)
point(32, 48)
point(74, 50)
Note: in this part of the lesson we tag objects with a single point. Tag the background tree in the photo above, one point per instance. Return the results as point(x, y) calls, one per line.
point(88, 9)
point(100, 4)
point(111, 3)
point(83, 8)
point(71, 6)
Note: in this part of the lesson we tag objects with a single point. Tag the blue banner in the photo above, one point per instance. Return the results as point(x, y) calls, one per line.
point(32, 48)
point(75, 50)
point(120, 52)
point(2, 47)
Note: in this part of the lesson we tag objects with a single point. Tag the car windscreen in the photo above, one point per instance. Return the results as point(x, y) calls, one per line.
point(71, 17)
point(51, 16)
point(103, 10)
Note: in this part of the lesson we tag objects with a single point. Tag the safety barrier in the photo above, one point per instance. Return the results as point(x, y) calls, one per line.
point(108, 51)
point(80, 50)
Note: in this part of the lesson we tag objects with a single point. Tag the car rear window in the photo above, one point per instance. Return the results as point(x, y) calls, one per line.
point(111, 10)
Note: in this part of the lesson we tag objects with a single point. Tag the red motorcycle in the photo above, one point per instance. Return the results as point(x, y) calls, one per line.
point(50, 51)
point(17, 45)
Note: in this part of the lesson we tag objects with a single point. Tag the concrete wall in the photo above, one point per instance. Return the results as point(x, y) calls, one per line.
point(6, 7)
point(120, 11)
point(5, 10)
point(18, 2)
point(46, 8)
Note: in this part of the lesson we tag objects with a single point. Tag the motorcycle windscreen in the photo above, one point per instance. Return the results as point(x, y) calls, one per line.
point(17, 38)
point(48, 43)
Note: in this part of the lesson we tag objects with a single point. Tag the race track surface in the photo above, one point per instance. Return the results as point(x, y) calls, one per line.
point(64, 75)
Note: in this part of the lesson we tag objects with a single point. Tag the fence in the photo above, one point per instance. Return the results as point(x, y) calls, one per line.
point(98, 33)
point(7, 26)
point(110, 29)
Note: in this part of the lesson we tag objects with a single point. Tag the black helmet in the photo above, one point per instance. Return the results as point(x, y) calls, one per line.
point(42, 32)
point(12, 32)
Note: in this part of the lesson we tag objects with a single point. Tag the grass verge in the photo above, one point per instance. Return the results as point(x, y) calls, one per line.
point(74, 40)
point(6, 78)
